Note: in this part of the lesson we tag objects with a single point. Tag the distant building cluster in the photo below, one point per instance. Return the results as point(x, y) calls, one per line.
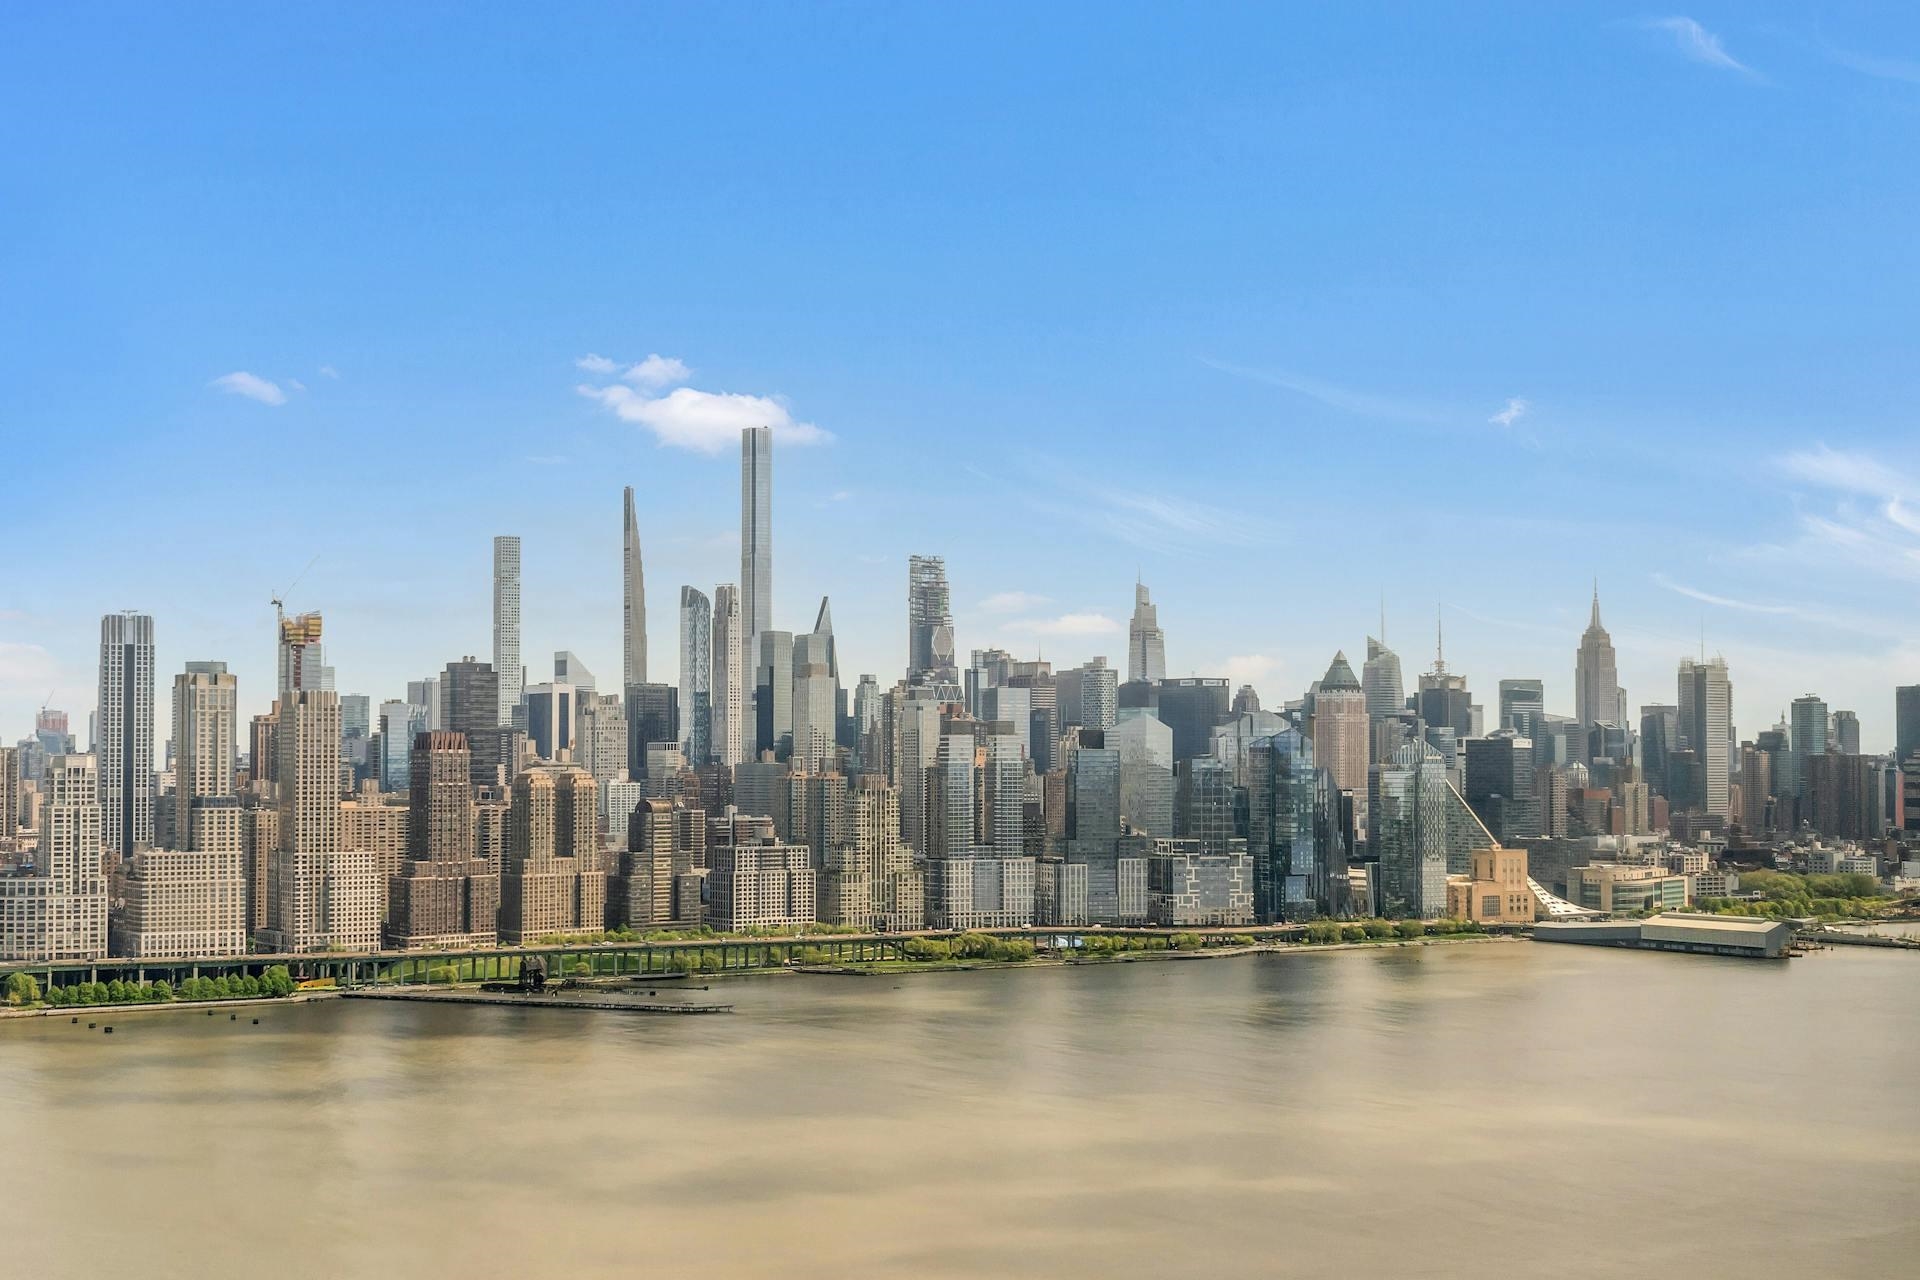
point(765, 791)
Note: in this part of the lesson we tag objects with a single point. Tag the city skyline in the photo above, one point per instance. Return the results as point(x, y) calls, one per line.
point(1584, 375)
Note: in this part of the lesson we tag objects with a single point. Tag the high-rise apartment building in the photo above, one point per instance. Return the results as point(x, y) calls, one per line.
point(320, 895)
point(930, 646)
point(58, 910)
point(1906, 722)
point(171, 903)
point(553, 881)
point(1596, 675)
point(300, 661)
point(696, 676)
point(633, 596)
point(444, 894)
point(756, 535)
point(1807, 739)
point(600, 737)
point(1088, 696)
point(872, 880)
point(1146, 643)
point(506, 628)
point(205, 722)
point(123, 745)
point(731, 669)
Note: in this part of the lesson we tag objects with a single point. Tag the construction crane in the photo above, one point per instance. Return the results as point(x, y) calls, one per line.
point(279, 598)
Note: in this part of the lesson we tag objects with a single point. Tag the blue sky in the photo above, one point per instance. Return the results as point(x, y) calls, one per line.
point(1282, 307)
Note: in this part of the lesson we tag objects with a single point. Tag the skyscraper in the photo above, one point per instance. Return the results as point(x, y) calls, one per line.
point(773, 690)
point(815, 696)
point(1906, 722)
point(506, 627)
point(729, 665)
point(59, 911)
point(205, 722)
point(1523, 704)
point(1380, 680)
point(633, 594)
point(470, 705)
point(929, 621)
point(1146, 643)
point(1807, 739)
point(756, 534)
point(1596, 677)
point(1341, 740)
point(696, 676)
point(124, 739)
point(1706, 718)
point(300, 661)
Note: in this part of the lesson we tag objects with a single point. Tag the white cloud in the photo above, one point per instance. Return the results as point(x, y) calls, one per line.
point(1699, 44)
point(1725, 602)
point(328, 371)
point(1363, 404)
point(658, 371)
point(840, 495)
point(1880, 68)
point(241, 383)
point(591, 363)
point(1851, 472)
point(1067, 624)
point(704, 421)
point(1516, 409)
point(1013, 602)
point(294, 384)
point(1249, 668)
point(27, 669)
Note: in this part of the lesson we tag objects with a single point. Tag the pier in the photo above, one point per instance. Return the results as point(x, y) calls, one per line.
point(535, 1002)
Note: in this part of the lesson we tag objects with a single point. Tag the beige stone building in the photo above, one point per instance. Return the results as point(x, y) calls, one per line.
point(1496, 892)
point(553, 881)
point(173, 903)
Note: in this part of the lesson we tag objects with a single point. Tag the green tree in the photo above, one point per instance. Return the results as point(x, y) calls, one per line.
point(1410, 929)
point(1378, 928)
point(22, 988)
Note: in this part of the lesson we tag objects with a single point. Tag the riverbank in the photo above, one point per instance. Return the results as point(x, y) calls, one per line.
point(880, 968)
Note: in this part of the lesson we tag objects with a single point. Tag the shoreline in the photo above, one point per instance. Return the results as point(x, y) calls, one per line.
point(896, 967)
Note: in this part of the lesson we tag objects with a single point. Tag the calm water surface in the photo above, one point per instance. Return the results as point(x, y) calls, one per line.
point(1439, 1111)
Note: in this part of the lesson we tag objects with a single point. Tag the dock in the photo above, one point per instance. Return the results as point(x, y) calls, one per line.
point(536, 1002)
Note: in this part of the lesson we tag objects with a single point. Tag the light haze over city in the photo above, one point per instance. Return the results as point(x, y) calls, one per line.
point(1283, 312)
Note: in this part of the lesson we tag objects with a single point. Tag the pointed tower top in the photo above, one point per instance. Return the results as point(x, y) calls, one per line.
point(823, 621)
point(1594, 621)
point(1339, 674)
point(1439, 641)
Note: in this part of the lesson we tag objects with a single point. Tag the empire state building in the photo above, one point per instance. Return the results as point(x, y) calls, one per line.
point(1596, 678)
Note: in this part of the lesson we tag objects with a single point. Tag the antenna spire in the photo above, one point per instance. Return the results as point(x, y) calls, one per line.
point(1439, 640)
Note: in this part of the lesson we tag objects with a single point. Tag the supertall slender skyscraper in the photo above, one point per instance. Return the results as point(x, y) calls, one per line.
point(929, 620)
point(124, 739)
point(1146, 643)
point(730, 692)
point(506, 625)
point(1596, 677)
point(633, 580)
point(696, 676)
point(756, 534)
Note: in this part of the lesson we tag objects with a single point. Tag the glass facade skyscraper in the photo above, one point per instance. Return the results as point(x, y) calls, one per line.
point(696, 676)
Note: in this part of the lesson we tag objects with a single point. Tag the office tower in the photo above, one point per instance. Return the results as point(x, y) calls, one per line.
point(916, 728)
point(816, 697)
point(1380, 680)
point(58, 911)
point(1659, 736)
point(506, 627)
point(426, 693)
point(1341, 728)
point(1203, 803)
point(443, 894)
point(1523, 705)
point(1443, 701)
point(470, 706)
point(1145, 744)
point(633, 596)
point(1596, 677)
point(400, 724)
point(731, 668)
point(1499, 785)
point(653, 716)
point(1906, 722)
point(1423, 831)
point(1705, 718)
point(1002, 791)
point(1146, 643)
point(1013, 705)
point(773, 691)
point(600, 737)
point(1289, 829)
point(320, 895)
point(1191, 706)
point(1246, 698)
point(123, 742)
point(205, 715)
point(552, 882)
point(1844, 733)
point(300, 661)
point(1807, 738)
point(696, 676)
point(356, 722)
point(1087, 696)
point(1093, 790)
point(551, 712)
point(929, 621)
point(568, 669)
point(756, 535)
